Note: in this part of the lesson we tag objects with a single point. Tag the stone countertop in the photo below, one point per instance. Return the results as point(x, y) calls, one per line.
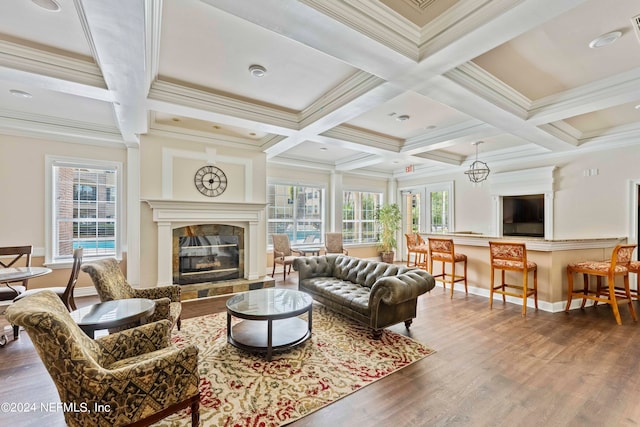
point(533, 243)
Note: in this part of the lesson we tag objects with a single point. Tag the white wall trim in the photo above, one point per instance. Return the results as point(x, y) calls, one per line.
point(210, 156)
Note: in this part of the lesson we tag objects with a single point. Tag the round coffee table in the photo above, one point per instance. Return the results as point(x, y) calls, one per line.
point(113, 314)
point(270, 321)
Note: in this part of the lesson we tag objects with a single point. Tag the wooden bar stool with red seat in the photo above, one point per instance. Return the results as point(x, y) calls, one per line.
point(612, 295)
point(443, 250)
point(416, 245)
point(512, 256)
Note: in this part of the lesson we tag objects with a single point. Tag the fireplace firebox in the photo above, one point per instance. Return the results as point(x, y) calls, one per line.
point(207, 253)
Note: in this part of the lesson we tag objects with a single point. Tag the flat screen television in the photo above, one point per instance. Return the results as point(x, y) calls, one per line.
point(523, 215)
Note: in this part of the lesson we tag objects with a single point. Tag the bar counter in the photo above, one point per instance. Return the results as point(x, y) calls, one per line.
point(551, 256)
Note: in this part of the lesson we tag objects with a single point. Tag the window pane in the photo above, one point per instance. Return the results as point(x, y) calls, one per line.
point(296, 211)
point(85, 211)
point(358, 216)
point(440, 211)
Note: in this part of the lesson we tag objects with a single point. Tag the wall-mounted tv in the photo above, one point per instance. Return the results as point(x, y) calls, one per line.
point(523, 215)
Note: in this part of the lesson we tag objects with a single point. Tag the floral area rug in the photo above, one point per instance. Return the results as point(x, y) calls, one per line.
point(243, 389)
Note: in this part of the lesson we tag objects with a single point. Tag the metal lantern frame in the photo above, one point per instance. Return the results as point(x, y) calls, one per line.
point(478, 171)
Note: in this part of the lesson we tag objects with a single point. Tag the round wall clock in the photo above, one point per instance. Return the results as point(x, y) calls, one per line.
point(210, 181)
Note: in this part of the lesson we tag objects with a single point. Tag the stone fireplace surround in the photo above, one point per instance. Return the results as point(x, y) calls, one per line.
point(170, 214)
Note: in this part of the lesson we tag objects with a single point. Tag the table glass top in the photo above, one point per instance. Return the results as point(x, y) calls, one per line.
point(110, 311)
point(269, 302)
point(19, 273)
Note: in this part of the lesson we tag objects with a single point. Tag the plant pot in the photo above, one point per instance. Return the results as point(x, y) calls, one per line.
point(387, 257)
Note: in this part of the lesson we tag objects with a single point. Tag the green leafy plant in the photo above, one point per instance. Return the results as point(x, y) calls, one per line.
point(388, 217)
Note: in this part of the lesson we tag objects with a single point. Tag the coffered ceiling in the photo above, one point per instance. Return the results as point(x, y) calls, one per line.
point(362, 86)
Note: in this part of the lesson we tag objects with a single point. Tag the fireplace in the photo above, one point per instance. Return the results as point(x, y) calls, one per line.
point(207, 253)
point(245, 221)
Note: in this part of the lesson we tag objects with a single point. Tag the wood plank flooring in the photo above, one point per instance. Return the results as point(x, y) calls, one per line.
point(491, 368)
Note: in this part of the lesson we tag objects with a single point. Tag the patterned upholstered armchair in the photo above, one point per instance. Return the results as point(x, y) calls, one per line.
point(333, 244)
point(112, 285)
point(133, 376)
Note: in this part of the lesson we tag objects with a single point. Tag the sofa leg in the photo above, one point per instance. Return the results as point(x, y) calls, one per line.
point(407, 323)
point(377, 334)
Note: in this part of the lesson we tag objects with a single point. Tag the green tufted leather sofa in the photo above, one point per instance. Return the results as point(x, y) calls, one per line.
point(374, 293)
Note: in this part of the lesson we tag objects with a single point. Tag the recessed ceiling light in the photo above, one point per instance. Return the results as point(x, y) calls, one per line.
point(175, 119)
point(20, 93)
point(216, 127)
point(637, 107)
point(605, 39)
point(324, 148)
point(252, 134)
point(49, 5)
point(403, 118)
point(257, 70)
point(430, 127)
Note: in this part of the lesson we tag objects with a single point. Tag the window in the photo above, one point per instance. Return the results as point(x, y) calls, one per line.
point(440, 200)
point(84, 208)
point(358, 216)
point(296, 210)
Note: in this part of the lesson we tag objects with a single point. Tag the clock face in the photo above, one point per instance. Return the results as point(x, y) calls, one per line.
point(210, 181)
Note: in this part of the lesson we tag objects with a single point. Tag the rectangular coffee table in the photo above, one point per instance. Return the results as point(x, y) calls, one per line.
point(270, 320)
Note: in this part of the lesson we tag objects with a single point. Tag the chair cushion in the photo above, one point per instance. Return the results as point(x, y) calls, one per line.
point(517, 265)
point(447, 257)
point(59, 291)
point(600, 266)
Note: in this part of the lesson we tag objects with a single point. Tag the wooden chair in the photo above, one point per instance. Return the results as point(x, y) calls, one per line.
point(443, 250)
point(282, 253)
point(20, 257)
point(65, 293)
point(510, 256)
point(416, 245)
point(333, 244)
point(612, 295)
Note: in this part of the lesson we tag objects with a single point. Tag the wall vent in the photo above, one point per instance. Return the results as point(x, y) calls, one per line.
point(636, 25)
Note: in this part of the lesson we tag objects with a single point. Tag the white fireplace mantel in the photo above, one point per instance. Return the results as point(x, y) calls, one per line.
point(170, 214)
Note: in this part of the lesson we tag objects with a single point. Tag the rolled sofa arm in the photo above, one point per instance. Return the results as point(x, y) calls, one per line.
point(403, 287)
point(314, 266)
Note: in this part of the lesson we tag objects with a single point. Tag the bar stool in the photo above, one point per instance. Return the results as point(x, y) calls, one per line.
point(510, 256)
point(634, 267)
point(443, 250)
point(416, 245)
point(612, 295)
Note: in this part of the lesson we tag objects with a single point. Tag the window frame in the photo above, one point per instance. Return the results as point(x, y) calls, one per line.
point(376, 205)
point(434, 188)
point(51, 162)
point(321, 210)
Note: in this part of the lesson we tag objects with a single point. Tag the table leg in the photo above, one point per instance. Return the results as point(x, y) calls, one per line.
point(228, 326)
point(269, 339)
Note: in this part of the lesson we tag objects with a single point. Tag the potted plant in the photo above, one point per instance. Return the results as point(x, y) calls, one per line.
point(389, 217)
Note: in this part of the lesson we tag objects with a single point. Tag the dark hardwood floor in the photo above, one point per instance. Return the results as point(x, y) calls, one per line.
point(491, 368)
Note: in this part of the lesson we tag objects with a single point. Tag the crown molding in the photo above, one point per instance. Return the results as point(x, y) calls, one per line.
point(199, 102)
point(153, 18)
point(53, 128)
point(608, 92)
point(382, 24)
point(352, 88)
point(359, 136)
point(50, 64)
point(492, 89)
point(439, 138)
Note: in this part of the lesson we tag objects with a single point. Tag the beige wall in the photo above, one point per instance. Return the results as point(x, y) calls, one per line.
point(22, 194)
